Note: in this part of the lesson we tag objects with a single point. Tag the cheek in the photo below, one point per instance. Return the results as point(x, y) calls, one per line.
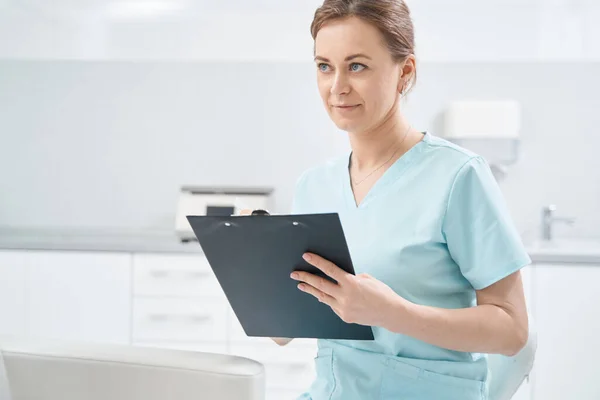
point(323, 86)
point(382, 95)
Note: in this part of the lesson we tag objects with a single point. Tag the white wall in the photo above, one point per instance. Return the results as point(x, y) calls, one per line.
point(98, 144)
point(107, 144)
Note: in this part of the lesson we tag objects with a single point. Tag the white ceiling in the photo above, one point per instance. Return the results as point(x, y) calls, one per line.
point(278, 29)
point(167, 7)
point(189, 8)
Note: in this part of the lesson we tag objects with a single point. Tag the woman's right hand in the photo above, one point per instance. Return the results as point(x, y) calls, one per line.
point(279, 341)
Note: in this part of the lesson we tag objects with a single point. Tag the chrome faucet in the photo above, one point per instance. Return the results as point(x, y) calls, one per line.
point(548, 219)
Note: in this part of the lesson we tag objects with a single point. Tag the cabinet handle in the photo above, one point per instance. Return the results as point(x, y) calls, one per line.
point(158, 317)
point(198, 274)
point(159, 273)
point(194, 318)
point(199, 318)
point(162, 273)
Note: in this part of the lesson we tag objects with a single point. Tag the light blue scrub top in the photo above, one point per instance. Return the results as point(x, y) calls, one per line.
point(434, 228)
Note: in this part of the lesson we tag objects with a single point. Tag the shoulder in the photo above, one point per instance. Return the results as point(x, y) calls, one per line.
point(447, 159)
point(449, 154)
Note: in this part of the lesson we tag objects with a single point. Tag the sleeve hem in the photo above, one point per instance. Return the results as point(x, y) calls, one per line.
point(513, 267)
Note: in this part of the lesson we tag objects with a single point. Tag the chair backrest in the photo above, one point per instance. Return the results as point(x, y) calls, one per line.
point(84, 371)
point(4, 388)
point(508, 373)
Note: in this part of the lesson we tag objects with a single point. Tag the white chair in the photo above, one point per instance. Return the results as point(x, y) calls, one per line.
point(68, 371)
point(48, 370)
point(509, 373)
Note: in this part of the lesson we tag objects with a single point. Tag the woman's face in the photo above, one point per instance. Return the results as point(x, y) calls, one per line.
point(358, 80)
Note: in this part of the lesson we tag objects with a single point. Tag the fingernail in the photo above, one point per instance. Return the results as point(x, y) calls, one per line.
point(306, 256)
point(294, 275)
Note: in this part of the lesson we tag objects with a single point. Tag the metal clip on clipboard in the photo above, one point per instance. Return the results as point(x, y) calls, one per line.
point(260, 212)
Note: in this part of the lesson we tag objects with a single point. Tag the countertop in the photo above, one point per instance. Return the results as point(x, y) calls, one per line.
point(96, 240)
point(566, 251)
point(556, 252)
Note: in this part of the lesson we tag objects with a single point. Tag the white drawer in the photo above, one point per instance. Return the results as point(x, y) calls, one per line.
point(237, 335)
point(174, 275)
point(286, 367)
point(201, 319)
point(204, 347)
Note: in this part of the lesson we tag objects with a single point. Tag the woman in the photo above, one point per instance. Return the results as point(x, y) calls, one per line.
point(436, 254)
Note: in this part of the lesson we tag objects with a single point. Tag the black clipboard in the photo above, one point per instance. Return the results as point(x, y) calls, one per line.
point(252, 257)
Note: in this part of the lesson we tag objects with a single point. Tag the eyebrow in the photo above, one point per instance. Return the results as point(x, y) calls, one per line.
point(351, 57)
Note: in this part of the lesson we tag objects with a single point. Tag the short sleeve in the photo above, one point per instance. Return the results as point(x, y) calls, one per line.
point(480, 234)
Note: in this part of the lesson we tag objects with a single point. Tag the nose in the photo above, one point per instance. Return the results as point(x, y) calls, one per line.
point(340, 84)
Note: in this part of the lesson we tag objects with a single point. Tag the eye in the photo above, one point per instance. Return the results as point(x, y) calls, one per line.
point(323, 67)
point(356, 67)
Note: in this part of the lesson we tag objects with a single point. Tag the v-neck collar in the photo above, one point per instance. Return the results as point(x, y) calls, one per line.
point(389, 176)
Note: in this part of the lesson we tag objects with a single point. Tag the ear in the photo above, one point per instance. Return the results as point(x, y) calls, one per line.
point(401, 80)
point(407, 71)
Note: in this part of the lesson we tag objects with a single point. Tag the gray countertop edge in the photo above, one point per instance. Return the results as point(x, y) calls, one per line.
point(577, 259)
point(99, 242)
point(194, 248)
point(187, 248)
point(172, 245)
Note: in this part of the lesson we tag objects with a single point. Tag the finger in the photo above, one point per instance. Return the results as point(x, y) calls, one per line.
point(322, 297)
point(326, 266)
point(318, 282)
point(245, 211)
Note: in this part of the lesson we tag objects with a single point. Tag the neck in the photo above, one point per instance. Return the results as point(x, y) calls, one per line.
point(371, 148)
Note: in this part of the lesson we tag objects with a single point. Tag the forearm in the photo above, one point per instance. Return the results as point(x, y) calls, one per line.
point(482, 329)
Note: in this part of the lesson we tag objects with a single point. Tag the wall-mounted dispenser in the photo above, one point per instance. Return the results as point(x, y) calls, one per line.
point(489, 128)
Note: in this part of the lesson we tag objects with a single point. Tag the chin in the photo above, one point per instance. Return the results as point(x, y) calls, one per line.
point(348, 125)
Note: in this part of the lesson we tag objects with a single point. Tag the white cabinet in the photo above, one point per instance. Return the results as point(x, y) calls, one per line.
point(174, 275)
point(289, 368)
point(178, 303)
point(192, 320)
point(82, 296)
point(12, 293)
point(524, 392)
point(566, 304)
point(526, 275)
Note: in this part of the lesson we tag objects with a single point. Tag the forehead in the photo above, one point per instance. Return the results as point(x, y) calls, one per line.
point(341, 37)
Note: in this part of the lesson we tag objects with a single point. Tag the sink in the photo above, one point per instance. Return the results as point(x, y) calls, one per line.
point(566, 251)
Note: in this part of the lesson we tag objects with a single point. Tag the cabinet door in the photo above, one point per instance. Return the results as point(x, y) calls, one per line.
point(526, 276)
point(83, 296)
point(524, 392)
point(12, 293)
point(566, 304)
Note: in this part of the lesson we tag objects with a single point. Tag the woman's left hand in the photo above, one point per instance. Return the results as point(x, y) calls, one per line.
point(359, 299)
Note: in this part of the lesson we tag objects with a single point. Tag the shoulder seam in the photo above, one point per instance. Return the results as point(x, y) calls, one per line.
point(451, 191)
point(458, 150)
